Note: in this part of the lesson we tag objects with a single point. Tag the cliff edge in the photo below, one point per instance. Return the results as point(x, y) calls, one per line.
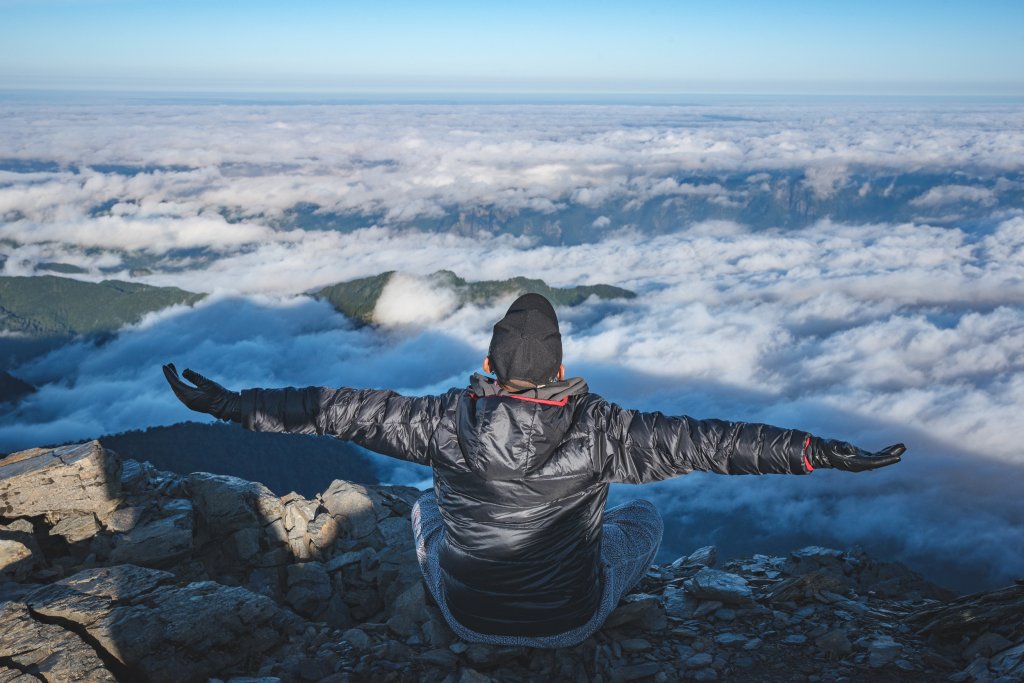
point(111, 570)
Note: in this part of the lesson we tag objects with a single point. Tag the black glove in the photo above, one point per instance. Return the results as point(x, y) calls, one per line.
point(845, 456)
point(207, 396)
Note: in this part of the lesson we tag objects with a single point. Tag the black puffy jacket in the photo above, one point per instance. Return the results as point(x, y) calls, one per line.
point(521, 479)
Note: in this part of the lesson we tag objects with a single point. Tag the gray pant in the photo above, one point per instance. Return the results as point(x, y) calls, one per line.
point(631, 536)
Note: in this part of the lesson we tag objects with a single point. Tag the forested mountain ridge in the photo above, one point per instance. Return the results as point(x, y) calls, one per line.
point(52, 306)
point(358, 298)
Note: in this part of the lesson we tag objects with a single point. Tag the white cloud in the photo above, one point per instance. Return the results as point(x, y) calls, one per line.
point(413, 300)
point(955, 194)
point(868, 331)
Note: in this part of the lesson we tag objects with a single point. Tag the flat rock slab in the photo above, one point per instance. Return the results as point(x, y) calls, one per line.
point(160, 542)
point(63, 482)
point(49, 652)
point(158, 631)
point(714, 584)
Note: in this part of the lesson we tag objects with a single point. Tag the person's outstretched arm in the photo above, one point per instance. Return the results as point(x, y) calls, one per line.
point(377, 419)
point(637, 447)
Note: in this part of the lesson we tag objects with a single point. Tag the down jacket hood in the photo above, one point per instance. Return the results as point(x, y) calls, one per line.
point(510, 438)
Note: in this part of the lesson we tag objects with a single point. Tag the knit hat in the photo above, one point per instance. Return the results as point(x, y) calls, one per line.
point(526, 344)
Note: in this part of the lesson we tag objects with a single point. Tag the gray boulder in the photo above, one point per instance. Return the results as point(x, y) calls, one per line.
point(714, 584)
point(701, 557)
point(309, 588)
point(52, 653)
point(19, 551)
point(61, 483)
point(158, 543)
point(226, 504)
point(353, 507)
point(158, 631)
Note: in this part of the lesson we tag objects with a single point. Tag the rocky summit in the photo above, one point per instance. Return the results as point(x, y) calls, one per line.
point(115, 571)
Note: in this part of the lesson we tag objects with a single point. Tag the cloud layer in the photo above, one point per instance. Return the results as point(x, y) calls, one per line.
point(893, 328)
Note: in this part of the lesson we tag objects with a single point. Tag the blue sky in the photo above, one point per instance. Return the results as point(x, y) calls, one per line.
point(908, 47)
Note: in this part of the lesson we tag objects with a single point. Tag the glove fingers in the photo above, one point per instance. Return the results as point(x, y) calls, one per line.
point(875, 460)
point(184, 392)
point(896, 449)
point(883, 460)
point(171, 374)
point(194, 377)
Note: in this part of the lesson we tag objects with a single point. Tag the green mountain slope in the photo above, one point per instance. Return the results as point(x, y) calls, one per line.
point(358, 298)
point(51, 306)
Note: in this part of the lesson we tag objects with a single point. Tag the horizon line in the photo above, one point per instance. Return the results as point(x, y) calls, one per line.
point(345, 93)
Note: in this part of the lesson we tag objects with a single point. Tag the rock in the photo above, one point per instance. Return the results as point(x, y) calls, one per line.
point(701, 659)
point(396, 531)
point(68, 481)
point(1008, 665)
point(225, 504)
point(298, 513)
point(635, 644)
point(488, 656)
point(725, 614)
point(436, 632)
point(76, 528)
point(834, 643)
point(408, 610)
point(51, 652)
point(883, 650)
point(352, 505)
point(817, 555)
point(18, 528)
point(702, 557)
point(164, 632)
point(19, 551)
point(713, 584)
point(351, 557)
point(442, 657)
point(309, 588)
point(678, 603)
point(246, 543)
point(357, 638)
point(632, 672)
point(158, 543)
point(330, 589)
point(810, 585)
point(126, 518)
point(986, 645)
point(641, 609)
point(970, 615)
point(472, 676)
point(730, 639)
point(707, 607)
point(322, 532)
point(16, 559)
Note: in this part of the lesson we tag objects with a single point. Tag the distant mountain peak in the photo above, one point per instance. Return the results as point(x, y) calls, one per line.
point(358, 298)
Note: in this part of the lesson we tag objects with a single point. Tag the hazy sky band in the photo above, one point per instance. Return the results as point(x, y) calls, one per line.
point(790, 46)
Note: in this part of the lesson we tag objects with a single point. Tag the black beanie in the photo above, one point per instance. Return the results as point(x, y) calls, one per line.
point(526, 344)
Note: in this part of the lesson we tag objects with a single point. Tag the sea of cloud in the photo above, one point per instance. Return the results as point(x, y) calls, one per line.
point(871, 332)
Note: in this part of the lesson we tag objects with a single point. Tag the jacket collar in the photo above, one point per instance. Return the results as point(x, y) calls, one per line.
point(556, 393)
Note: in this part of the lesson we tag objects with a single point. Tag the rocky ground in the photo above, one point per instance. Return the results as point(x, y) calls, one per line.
point(114, 571)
